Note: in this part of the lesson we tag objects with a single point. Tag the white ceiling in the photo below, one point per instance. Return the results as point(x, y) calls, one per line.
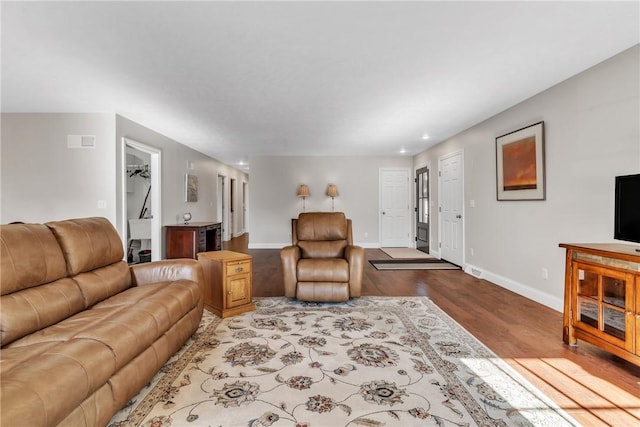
point(237, 79)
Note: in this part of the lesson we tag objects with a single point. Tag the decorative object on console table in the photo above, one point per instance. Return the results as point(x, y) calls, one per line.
point(520, 164)
point(227, 279)
point(187, 217)
point(602, 298)
point(186, 240)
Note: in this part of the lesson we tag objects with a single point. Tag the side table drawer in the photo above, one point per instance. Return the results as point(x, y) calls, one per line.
point(238, 267)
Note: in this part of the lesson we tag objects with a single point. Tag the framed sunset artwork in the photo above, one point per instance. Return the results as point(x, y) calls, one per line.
point(520, 164)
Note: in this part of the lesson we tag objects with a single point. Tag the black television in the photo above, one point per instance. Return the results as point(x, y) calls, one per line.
point(627, 212)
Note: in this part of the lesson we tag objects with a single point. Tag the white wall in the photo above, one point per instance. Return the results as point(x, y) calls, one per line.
point(275, 181)
point(174, 168)
point(592, 132)
point(43, 180)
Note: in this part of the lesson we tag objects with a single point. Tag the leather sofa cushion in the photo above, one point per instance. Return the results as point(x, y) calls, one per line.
point(87, 243)
point(36, 308)
point(29, 256)
point(323, 270)
point(321, 226)
point(87, 349)
point(102, 283)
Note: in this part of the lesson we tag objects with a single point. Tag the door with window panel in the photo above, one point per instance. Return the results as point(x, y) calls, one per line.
point(422, 210)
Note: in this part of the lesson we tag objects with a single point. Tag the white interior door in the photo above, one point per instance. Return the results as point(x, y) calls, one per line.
point(395, 214)
point(451, 207)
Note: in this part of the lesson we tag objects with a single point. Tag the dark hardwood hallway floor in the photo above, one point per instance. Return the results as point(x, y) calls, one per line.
point(596, 388)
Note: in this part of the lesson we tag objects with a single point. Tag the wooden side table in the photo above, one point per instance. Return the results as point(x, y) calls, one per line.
point(227, 278)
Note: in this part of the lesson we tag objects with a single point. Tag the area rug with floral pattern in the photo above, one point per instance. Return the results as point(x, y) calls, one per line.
point(372, 361)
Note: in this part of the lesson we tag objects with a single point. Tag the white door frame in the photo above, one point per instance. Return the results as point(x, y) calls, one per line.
point(156, 194)
point(222, 205)
point(462, 243)
point(408, 187)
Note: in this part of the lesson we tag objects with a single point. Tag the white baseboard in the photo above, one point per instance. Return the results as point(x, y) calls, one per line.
point(519, 288)
point(268, 245)
point(368, 245)
point(282, 245)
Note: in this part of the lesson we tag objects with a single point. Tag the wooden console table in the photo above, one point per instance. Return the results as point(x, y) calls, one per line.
point(186, 240)
point(602, 297)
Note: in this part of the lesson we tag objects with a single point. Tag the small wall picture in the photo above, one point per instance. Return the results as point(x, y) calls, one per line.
point(191, 188)
point(520, 164)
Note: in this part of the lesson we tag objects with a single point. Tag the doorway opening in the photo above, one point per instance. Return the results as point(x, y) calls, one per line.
point(232, 203)
point(222, 207)
point(141, 215)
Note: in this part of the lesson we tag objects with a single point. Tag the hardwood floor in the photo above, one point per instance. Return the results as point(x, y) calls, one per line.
point(595, 387)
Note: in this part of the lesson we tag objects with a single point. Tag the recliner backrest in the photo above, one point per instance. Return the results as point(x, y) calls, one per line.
point(322, 234)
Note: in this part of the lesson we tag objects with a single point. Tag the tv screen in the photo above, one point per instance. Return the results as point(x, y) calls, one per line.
point(627, 214)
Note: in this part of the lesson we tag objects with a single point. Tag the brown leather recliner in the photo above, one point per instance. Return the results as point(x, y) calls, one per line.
point(322, 264)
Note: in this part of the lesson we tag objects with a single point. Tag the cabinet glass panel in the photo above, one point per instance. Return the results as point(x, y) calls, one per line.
point(613, 320)
point(588, 311)
point(613, 291)
point(587, 283)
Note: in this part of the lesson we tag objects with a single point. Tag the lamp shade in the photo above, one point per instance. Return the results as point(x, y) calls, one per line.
point(303, 191)
point(332, 190)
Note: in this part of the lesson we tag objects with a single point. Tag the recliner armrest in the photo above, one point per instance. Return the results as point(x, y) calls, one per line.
point(355, 257)
point(289, 256)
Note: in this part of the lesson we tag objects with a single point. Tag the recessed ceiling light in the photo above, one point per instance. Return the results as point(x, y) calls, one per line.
point(402, 150)
point(425, 136)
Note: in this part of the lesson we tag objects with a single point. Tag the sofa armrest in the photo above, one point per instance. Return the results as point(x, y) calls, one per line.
point(166, 270)
point(355, 258)
point(289, 257)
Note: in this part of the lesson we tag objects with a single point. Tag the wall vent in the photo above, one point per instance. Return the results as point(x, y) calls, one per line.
point(476, 272)
point(81, 141)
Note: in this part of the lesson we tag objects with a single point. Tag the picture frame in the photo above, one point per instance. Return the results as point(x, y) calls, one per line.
point(191, 188)
point(520, 164)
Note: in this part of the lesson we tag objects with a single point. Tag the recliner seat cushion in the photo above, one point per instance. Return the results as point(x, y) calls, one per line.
point(323, 270)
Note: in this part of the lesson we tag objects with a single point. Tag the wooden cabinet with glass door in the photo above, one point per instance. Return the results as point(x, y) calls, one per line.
point(602, 298)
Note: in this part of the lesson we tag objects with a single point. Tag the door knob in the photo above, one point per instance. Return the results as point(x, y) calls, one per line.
point(459, 216)
point(384, 213)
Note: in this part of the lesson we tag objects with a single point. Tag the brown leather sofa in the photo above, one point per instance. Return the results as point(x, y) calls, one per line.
point(322, 264)
point(82, 332)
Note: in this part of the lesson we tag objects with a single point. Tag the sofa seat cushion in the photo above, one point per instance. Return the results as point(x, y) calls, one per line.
point(83, 352)
point(141, 314)
point(323, 270)
point(32, 390)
